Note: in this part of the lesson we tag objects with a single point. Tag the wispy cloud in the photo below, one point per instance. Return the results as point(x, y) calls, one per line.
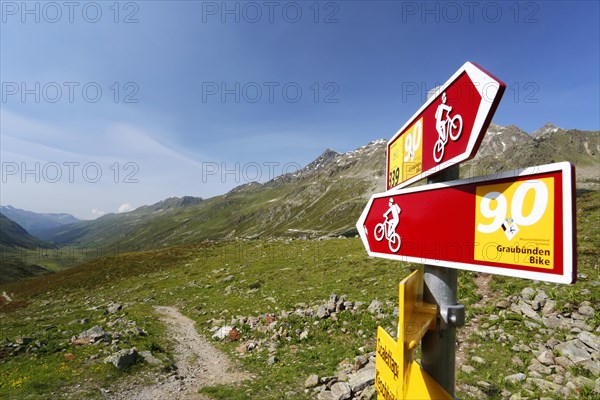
point(126, 207)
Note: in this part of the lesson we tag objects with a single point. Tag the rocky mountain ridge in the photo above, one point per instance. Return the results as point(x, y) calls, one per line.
point(322, 199)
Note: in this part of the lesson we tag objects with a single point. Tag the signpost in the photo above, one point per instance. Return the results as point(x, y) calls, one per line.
point(517, 223)
point(447, 129)
point(397, 374)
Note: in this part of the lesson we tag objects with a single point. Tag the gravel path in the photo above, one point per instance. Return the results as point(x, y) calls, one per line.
point(199, 364)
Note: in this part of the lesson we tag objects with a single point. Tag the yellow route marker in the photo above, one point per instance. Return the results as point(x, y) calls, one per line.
point(397, 375)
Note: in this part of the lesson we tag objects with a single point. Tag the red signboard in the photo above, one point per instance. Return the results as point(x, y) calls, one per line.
point(518, 223)
point(447, 129)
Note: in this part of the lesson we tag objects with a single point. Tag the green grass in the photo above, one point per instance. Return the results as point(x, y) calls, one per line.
point(269, 276)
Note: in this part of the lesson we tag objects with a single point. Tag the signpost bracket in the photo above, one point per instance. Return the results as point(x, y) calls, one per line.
point(453, 315)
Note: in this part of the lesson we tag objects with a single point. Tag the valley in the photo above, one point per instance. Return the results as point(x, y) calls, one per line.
point(272, 275)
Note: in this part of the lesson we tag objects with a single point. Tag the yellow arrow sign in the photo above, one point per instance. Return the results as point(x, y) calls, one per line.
point(397, 375)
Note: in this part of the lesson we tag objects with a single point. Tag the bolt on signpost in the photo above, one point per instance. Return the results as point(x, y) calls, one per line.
point(517, 223)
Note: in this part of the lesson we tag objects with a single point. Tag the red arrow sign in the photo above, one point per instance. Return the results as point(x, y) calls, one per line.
point(518, 223)
point(447, 129)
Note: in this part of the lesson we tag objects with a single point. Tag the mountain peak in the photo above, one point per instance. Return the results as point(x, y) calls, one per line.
point(173, 202)
point(548, 128)
point(322, 160)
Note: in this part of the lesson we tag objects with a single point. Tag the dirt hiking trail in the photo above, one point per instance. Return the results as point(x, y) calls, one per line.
point(199, 364)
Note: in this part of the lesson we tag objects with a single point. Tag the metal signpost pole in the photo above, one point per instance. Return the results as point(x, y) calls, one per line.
point(438, 346)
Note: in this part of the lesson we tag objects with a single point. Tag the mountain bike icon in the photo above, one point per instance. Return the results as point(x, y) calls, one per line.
point(447, 128)
point(385, 229)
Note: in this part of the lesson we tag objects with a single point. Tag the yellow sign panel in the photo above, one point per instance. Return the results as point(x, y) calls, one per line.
point(514, 222)
point(406, 155)
point(388, 362)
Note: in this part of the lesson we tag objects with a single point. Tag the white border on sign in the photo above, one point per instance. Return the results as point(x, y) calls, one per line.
point(565, 168)
point(483, 81)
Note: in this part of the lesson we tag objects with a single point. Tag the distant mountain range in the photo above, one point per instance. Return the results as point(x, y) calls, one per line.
point(508, 147)
point(34, 222)
point(323, 199)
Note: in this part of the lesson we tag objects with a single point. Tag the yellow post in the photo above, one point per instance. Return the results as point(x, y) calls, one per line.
point(398, 375)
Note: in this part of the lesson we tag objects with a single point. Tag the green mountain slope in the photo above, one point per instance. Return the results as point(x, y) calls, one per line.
point(36, 222)
point(14, 242)
point(323, 199)
point(506, 148)
point(12, 234)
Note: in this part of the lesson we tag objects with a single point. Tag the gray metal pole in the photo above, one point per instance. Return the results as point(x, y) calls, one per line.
point(438, 347)
point(440, 285)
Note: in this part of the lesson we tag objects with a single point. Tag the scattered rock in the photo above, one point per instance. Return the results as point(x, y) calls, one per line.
point(113, 308)
point(575, 350)
point(529, 312)
point(375, 307)
point(590, 340)
point(80, 341)
point(272, 360)
point(515, 378)
point(24, 340)
point(527, 293)
point(228, 278)
point(234, 335)
point(322, 312)
point(93, 334)
point(341, 391)
point(311, 381)
point(362, 379)
point(546, 358)
point(222, 332)
point(552, 322)
point(502, 304)
point(149, 358)
point(545, 385)
point(586, 310)
point(478, 360)
point(563, 362)
point(548, 307)
point(123, 358)
point(467, 369)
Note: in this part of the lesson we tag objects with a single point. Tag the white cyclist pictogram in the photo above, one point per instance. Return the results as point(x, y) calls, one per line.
point(387, 228)
point(446, 127)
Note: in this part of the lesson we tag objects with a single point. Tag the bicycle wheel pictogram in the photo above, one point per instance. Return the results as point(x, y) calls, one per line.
point(455, 125)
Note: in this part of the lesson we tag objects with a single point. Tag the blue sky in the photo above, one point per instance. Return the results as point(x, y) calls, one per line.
point(109, 106)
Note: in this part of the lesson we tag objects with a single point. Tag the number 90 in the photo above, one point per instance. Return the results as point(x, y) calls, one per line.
point(499, 213)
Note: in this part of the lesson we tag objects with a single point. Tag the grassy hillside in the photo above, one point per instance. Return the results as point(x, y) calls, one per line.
point(499, 152)
point(12, 234)
point(15, 244)
point(36, 222)
point(322, 199)
point(214, 282)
